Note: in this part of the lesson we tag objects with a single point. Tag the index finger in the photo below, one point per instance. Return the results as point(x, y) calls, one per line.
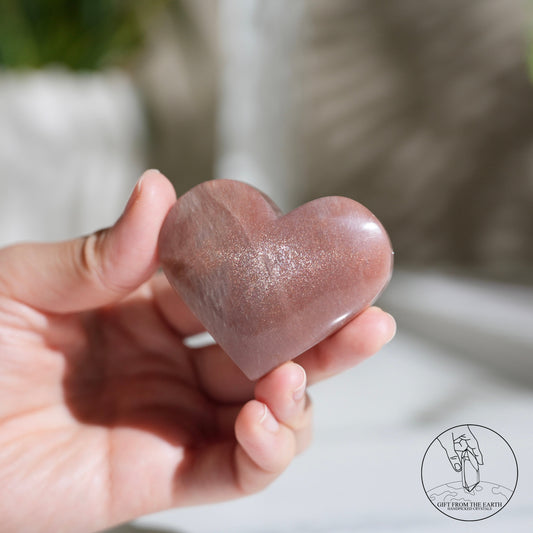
point(362, 337)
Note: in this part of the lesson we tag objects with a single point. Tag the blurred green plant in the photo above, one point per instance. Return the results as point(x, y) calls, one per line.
point(78, 34)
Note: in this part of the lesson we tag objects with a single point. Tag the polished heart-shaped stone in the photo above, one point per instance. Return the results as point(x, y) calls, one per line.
point(268, 286)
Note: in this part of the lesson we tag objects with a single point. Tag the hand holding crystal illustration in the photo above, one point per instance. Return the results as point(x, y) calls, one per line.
point(268, 286)
point(462, 450)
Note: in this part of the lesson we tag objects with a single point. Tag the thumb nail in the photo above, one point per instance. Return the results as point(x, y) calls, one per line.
point(457, 467)
point(134, 194)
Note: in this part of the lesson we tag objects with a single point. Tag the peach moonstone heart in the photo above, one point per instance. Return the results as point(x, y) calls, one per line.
point(268, 286)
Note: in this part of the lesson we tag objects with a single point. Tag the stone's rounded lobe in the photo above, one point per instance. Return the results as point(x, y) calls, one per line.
point(267, 286)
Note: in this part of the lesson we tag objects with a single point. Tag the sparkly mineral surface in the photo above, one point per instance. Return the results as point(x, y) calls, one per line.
point(269, 286)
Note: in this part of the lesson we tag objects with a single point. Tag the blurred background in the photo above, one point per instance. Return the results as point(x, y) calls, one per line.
point(420, 109)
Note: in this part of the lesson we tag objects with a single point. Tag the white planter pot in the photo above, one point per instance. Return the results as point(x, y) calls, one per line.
point(71, 148)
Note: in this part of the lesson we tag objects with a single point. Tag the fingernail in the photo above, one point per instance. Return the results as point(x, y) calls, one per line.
point(135, 193)
point(139, 185)
point(299, 391)
point(394, 329)
point(268, 421)
point(457, 467)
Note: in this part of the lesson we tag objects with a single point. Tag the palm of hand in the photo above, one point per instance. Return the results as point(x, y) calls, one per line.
point(109, 410)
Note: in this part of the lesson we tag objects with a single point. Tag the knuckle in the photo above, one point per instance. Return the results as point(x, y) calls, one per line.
point(87, 259)
point(90, 262)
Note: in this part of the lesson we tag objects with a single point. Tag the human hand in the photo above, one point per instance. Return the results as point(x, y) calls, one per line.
point(106, 415)
point(455, 441)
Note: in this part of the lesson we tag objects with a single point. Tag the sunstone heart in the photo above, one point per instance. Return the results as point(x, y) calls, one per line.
point(269, 286)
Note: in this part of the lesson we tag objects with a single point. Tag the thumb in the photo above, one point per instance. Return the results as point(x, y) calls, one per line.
point(97, 269)
point(447, 444)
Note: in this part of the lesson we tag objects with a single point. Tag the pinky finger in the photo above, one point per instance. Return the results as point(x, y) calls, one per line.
point(265, 447)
